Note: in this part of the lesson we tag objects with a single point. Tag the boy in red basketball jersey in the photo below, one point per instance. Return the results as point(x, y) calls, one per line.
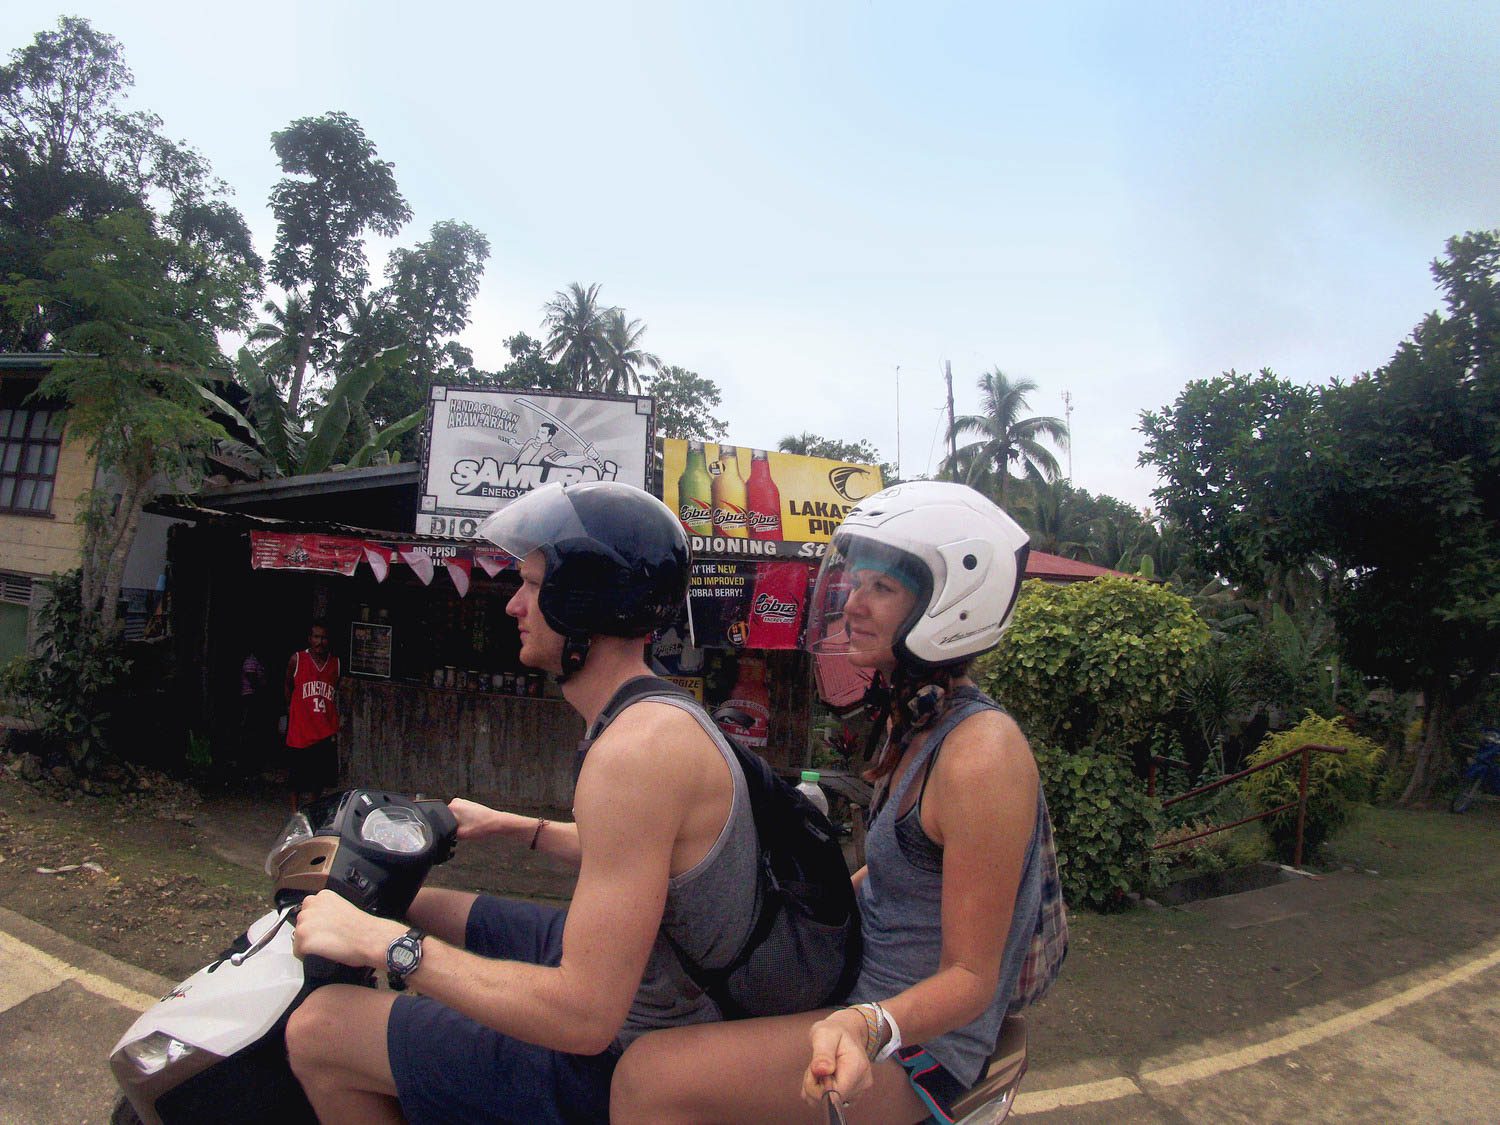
point(312, 721)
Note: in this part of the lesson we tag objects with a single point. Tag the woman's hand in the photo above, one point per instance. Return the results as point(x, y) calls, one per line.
point(839, 1062)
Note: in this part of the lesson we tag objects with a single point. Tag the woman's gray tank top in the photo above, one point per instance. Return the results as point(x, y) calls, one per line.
point(709, 910)
point(901, 902)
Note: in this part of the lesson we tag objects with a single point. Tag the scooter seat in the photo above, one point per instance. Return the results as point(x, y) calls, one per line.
point(1006, 1066)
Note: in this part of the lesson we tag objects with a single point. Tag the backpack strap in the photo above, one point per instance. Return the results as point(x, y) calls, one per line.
point(631, 691)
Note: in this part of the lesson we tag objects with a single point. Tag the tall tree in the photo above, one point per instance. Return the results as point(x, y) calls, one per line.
point(1007, 435)
point(145, 334)
point(1389, 485)
point(335, 191)
point(1231, 451)
point(429, 290)
point(684, 404)
point(68, 149)
point(624, 358)
point(575, 326)
point(528, 367)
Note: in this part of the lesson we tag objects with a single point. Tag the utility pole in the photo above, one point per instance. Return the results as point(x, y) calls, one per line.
point(1068, 417)
point(898, 423)
point(952, 437)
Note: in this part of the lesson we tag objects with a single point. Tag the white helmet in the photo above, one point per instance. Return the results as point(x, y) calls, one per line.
point(962, 555)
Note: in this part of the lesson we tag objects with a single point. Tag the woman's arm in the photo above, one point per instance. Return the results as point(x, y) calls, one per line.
point(980, 805)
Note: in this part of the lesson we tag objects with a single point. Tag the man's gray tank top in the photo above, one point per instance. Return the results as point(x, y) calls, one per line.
point(709, 909)
point(901, 900)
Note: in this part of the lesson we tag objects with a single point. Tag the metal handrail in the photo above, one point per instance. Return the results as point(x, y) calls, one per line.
point(1300, 804)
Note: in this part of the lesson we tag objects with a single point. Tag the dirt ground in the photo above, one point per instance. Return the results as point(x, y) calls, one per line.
point(178, 877)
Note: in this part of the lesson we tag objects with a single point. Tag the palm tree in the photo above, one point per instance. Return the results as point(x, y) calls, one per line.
point(280, 335)
point(576, 328)
point(1006, 436)
point(1053, 517)
point(623, 355)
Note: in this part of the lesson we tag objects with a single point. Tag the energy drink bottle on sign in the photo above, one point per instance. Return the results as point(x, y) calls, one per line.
point(764, 499)
point(695, 493)
point(729, 497)
point(746, 714)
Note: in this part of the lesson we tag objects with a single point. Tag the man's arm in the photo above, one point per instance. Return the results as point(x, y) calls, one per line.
point(630, 804)
point(556, 838)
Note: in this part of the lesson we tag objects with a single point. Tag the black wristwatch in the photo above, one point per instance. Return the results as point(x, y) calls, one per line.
point(402, 957)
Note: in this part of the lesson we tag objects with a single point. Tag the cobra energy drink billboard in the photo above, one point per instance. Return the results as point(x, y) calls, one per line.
point(486, 446)
point(740, 502)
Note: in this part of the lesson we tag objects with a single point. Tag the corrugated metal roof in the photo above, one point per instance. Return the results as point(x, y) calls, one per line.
point(1055, 568)
point(182, 508)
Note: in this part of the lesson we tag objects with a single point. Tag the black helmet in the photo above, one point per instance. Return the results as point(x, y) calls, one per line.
point(617, 560)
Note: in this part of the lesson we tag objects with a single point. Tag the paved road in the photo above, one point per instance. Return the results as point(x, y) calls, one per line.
point(1423, 1047)
point(62, 1007)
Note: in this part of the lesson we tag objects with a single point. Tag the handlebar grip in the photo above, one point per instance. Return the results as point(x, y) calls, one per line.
point(320, 970)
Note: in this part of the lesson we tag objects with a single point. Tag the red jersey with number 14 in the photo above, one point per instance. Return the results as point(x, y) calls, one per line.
point(313, 715)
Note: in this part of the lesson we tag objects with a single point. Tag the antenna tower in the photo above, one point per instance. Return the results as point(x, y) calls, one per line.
point(1068, 417)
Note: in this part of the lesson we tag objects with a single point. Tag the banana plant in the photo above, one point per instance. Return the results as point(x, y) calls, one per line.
point(284, 448)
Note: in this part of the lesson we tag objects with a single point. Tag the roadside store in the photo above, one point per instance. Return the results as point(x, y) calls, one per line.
point(434, 697)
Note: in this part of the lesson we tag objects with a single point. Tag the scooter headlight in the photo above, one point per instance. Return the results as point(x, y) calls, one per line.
point(156, 1052)
point(297, 829)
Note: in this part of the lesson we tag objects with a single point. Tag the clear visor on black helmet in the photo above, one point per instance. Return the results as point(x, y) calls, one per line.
point(541, 517)
point(883, 578)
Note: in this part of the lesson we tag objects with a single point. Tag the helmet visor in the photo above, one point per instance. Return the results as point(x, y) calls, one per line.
point(884, 579)
point(541, 517)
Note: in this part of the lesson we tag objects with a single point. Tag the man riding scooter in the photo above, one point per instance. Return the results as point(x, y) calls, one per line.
point(524, 1010)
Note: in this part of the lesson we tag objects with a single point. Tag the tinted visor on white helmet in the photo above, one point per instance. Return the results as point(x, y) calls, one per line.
point(851, 561)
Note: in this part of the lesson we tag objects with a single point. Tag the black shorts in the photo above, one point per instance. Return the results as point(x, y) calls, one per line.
point(449, 1068)
point(314, 768)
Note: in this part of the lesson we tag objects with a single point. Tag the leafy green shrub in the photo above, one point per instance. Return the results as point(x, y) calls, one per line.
point(1094, 663)
point(1336, 783)
point(1104, 822)
point(70, 688)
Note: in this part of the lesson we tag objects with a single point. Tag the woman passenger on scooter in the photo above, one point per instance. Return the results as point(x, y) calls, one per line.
point(919, 579)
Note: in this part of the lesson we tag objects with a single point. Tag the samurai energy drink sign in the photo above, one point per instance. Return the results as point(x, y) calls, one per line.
point(486, 447)
point(741, 502)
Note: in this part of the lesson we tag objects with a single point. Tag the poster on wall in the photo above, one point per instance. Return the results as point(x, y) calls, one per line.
point(486, 447)
point(739, 502)
point(369, 649)
point(740, 604)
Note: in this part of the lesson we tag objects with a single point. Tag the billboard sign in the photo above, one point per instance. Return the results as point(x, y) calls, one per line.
point(739, 502)
point(486, 446)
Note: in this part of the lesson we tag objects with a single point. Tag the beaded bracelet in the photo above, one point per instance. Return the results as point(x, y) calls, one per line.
point(871, 1016)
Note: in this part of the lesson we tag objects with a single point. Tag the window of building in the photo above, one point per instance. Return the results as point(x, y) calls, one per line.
point(30, 440)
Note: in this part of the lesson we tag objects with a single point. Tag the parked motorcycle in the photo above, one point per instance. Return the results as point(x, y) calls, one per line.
point(1481, 774)
point(214, 1048)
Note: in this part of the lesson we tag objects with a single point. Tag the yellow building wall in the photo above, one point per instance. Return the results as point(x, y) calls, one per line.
point(43, 545)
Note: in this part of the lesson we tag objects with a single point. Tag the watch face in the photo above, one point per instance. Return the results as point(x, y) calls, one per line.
point(403, 955)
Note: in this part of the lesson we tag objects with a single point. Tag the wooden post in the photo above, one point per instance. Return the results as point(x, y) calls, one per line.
point(1301, 806)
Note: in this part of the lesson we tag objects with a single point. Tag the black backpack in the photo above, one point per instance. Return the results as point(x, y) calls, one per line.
point(803, 950)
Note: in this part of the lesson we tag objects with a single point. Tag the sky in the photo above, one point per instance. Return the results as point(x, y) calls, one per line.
point(817, 206)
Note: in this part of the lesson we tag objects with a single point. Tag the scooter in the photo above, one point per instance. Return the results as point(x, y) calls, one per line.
point(214, 1048)
point(1481, 774)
